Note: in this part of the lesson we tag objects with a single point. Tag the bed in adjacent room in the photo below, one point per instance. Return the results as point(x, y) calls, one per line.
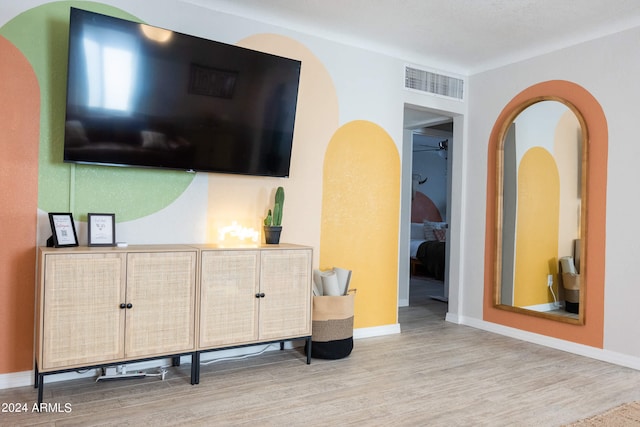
point(427, 248)
point(428, 235)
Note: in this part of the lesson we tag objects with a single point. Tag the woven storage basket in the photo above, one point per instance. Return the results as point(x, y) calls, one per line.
point(332, 333)
point(571, 284)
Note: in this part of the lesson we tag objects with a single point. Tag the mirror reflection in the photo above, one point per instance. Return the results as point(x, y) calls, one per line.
point(541, 178)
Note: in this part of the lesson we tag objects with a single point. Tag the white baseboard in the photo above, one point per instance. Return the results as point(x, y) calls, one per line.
point(16, 379)
point(453, 318)
point(615, 358)
point(376, 331)
point(550, 306)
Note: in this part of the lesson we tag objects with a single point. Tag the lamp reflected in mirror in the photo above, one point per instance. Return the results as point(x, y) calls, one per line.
point(541, 169)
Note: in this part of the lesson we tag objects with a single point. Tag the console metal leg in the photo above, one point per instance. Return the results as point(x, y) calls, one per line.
point(175, 361)
point(35, 375)
point(281, 345)
point(308, 350)
point(40, 388)
point(195, 368)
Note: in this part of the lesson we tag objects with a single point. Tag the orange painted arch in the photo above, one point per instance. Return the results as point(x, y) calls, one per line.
point(592, 332)
point(19, 138)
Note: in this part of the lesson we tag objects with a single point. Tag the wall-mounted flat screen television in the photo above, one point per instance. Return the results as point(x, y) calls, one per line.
point(144, 96)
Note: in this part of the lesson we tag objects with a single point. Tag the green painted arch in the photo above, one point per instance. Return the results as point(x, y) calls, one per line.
point(41, 35)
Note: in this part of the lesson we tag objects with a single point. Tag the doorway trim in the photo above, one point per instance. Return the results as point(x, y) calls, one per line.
point(455, 180)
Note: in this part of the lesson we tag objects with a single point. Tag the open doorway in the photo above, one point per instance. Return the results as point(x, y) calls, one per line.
point(428, 138)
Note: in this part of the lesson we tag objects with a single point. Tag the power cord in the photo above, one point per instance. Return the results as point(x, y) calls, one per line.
point(162, 371)
point(244, 356)
point(556, 303)
point(555, 300)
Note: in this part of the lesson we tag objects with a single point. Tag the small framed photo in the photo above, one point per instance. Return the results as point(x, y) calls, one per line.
point(102, 229)
point(63, 230)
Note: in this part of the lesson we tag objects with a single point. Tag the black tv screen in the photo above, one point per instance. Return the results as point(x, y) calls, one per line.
point(143, 96)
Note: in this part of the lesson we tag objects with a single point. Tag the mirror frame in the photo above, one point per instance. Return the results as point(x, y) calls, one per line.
point(591, 333)
point(499, 214)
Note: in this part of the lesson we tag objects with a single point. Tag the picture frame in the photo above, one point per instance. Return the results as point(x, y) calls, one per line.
point(63, 230)
point(101, 229)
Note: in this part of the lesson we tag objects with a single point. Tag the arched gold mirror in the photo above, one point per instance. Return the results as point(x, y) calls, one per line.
point(541, 172)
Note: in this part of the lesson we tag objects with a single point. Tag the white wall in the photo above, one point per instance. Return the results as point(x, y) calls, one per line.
point(608, 68)
point(369, 87)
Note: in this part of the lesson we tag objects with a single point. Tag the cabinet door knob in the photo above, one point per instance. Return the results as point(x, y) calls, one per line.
point(129, 305)
point(123, 305)
point(260, 295)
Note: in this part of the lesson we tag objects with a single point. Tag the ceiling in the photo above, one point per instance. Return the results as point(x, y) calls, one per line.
point(458, 36)
point(455, 36)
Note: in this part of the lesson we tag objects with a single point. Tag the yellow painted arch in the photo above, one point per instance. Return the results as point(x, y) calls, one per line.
point(360, 218)
point(537, 227)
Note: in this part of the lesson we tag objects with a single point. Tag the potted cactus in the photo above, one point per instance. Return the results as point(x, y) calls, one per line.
point(273, 221)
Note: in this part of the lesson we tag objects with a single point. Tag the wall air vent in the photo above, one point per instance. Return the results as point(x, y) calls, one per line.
point(433, 83)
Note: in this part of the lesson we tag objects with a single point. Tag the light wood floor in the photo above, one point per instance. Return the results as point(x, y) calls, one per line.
point(432, 374)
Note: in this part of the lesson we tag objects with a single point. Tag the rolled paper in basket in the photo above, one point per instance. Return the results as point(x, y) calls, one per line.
point(567, 265)
point(330, 285)
point(317, 283)
point(344, 276)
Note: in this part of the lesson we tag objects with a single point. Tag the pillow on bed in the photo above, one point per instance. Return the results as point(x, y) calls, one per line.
point(417, 231)
point(435, 231)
